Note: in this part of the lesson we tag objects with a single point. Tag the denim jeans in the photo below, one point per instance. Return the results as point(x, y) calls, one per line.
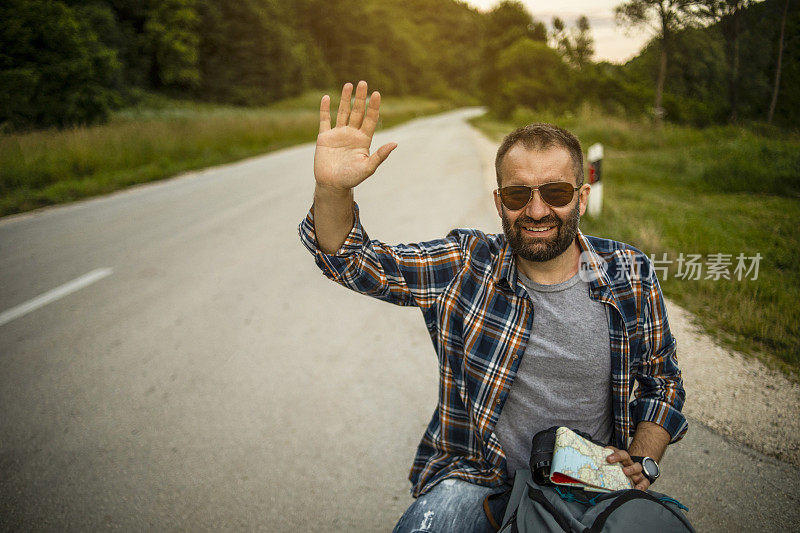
point(453, 505)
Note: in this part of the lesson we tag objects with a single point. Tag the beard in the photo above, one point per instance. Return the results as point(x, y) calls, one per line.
point(542, 249)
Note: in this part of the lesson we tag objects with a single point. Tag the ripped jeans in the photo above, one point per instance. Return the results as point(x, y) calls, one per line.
point(452, 505)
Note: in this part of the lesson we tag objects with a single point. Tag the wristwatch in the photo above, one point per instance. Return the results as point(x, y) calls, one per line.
point(650, 468)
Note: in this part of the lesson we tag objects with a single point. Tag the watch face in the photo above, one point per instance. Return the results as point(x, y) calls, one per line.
point(650, 467)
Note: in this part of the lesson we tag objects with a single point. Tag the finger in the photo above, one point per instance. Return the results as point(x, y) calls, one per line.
point(620, 456)
point(325, 114)
point(358, 106)
point(614, 457)
point(638, 479)
point(634, 469)
point(371, 119)
point(380, 155)
point(644, 485)
point(344, 105)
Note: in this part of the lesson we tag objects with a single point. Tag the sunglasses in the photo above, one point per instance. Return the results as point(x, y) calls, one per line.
point(556, 194)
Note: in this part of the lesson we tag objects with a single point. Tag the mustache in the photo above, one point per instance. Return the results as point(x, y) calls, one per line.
point(549, 219)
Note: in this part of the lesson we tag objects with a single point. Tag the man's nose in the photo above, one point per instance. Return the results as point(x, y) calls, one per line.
point(537, 208)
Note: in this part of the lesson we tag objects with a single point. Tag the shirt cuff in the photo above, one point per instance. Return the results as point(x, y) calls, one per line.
point(353, 243)
point(661, 413)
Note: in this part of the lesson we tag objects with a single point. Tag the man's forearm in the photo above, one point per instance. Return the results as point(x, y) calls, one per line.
point(649, 440)
point(333, 217)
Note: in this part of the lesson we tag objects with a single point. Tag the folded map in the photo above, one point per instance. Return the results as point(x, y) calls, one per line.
point(580, 463)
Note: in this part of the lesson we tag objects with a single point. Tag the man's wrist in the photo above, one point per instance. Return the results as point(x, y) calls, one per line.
point(650, 468)
point(327, 192)
point(649, 440)
point(333, 217)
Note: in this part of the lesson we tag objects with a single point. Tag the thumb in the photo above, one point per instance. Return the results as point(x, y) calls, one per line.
point(380, 155)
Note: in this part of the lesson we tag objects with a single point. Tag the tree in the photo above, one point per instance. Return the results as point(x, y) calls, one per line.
point(665, 18)
point(156, 41)
point(560, 39)
point(576, 45)
point(251, 54)
point(777, 84)
point(414, 46)
point(508, 22)
point(532, 75)
point(584, 42)
point(53, 69)
point(171, 31)
point(728, 14)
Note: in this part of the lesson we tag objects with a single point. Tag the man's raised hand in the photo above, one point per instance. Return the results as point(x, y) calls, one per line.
point(342, 159)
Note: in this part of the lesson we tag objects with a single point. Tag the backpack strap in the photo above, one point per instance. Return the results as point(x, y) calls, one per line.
point(539, 497)
point(629, 495)
point(488, 510)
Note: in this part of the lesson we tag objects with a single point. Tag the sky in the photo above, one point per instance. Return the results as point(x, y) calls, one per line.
point(610, 41)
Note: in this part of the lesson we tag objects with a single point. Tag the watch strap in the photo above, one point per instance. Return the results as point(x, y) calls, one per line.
point(639, 459)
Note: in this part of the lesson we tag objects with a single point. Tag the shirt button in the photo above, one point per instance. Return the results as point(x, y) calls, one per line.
point(497, 401)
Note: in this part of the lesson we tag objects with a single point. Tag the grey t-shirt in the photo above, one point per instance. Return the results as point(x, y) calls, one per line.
point(564, 378)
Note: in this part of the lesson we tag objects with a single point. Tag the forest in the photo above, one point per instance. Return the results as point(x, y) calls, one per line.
point(72, 62)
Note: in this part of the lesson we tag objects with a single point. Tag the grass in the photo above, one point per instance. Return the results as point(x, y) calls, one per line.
point(727, 190)
point(158, 139)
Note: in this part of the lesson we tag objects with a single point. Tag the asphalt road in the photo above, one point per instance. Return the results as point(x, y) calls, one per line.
point(206, 376)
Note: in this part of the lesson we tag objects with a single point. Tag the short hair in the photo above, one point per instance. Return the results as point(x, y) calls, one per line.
point(541, 136)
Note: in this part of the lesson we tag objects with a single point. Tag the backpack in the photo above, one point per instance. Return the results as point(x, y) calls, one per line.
point(533, 507)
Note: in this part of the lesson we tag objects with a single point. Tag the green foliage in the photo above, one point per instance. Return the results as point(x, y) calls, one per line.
point(696, 74)
point(613, 90)
point(99, 54)
point(416, 46)
point(53, 69)
point(667, 16)
point(533, 76)
point(507, 23)
point(759, 52)
point(249, 53)
point(576, 45)
point(171, 30)
point(698, 89)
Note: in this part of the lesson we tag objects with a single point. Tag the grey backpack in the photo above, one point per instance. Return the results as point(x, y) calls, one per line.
point(534, 507)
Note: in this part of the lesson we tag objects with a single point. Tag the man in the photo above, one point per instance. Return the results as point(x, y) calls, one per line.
point(537, 327)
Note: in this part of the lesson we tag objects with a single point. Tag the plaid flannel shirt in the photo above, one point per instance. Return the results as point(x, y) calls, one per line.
point(479, 319)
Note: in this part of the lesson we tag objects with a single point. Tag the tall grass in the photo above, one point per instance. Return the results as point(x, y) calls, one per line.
point(156, 141)
point(727, 190)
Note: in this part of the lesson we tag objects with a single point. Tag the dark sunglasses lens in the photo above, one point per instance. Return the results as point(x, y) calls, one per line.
point(557, 194)
point(515, 197)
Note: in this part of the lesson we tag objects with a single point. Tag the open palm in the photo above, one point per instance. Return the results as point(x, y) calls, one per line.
point(342, 159)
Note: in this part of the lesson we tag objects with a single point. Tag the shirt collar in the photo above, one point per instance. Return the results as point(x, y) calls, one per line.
point(505, 272)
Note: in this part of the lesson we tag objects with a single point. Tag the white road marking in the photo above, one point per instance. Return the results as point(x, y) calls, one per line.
point(53, 295)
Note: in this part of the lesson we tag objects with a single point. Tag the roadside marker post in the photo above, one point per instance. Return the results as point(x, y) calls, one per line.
point(595, 157)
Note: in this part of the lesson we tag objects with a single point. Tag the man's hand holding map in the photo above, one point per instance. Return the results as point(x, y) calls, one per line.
point(578, 462)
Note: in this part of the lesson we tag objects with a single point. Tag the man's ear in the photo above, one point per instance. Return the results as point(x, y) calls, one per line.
point(498, 204)
point(583, 197)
